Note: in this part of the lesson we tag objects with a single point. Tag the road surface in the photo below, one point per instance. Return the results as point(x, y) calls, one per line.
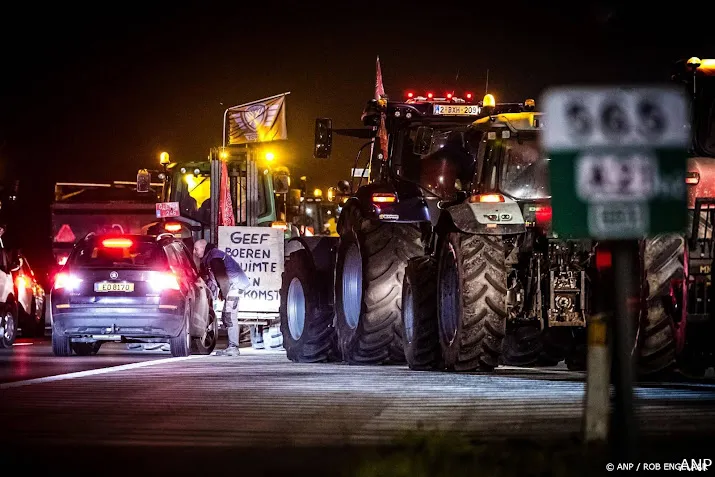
point(126, 399)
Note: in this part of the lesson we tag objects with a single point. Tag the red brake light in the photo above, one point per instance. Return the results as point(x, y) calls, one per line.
point(603, 259)
point(469, 95)
point(66, 281)
point(543, 214)
point(161, 281)
point(383, 198)
point(489, 198)
point(172, 227)
point(117, 243)
point(430, 95)
point(410, 95)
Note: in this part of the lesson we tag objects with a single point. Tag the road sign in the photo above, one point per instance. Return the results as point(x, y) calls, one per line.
point(618, 160)
point(360, 172)
point(166, 210)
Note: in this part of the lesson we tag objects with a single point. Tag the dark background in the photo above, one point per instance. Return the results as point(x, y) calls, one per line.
point(94, 93)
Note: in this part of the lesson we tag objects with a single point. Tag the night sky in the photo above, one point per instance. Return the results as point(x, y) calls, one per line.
point(94, 95)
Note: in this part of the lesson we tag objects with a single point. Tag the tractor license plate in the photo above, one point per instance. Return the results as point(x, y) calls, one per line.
point(104, 287)
point(456, 110)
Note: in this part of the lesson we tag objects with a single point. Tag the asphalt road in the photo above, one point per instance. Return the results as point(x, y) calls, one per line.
point(147, 400)
point(33, 358)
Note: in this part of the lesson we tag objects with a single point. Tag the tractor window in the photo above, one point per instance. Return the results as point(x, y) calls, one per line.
point(487, 159)
point(193, 193)
point(524, 169)
point(446, 168)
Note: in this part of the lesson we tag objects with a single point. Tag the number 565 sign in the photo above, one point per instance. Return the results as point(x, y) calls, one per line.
point(618, 159)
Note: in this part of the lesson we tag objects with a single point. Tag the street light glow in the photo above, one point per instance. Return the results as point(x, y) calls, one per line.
point(164, 158)
point(270, 156)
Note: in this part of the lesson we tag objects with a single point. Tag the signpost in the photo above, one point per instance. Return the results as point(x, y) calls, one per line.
point(618, 160)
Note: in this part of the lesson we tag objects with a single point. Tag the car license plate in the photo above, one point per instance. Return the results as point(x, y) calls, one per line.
point(103, 287)
point(456, 110)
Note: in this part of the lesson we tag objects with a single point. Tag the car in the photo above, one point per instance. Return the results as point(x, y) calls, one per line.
point(30, 295)
point(131, 289)
point(8, 303)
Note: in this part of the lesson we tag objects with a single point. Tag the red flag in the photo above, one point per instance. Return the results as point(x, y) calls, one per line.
point(381, 98)
point(225, 211)
point(379, 87)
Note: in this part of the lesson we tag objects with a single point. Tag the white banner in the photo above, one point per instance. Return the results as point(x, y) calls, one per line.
point(259, 251)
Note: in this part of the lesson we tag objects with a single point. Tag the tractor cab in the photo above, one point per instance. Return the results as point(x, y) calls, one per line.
point(509, 163)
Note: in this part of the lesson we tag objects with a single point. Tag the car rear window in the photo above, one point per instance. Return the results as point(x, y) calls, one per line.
point(135, 255)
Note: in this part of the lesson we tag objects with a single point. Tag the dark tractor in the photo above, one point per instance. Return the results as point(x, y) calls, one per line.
point(678, 293)
point(384, 222)
point(497, 283)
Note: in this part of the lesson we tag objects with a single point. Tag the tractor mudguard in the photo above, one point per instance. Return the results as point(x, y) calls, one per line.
point(409, 205)
point(488, 218)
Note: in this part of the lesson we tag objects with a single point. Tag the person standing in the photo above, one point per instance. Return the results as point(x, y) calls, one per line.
point(223, 274)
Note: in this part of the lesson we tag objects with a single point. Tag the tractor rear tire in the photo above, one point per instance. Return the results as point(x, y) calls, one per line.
point(371, 261)
point(655, 340)
point(308, 331)
point(472, 301)
point(419, 315)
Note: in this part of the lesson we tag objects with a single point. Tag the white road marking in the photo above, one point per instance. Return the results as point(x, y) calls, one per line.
point(94, 372)
point(562, 372)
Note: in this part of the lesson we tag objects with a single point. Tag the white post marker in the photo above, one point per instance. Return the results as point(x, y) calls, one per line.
point(598, 397)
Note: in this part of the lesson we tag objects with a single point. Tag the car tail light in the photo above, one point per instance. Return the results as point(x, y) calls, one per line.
point(117, 243)
point(161, 281)
point(543, 214)
point(692, 178)
point(488, 198)
point(66, 281)
point(172, 227)
point(20, 282)
point(384, 198)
